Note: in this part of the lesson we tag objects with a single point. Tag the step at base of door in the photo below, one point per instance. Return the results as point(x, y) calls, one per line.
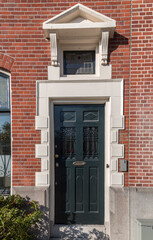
point(105, 238)
point(67, 239)
point(79, 232)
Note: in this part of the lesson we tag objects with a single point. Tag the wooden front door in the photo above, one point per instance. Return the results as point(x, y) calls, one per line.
point(79, 164)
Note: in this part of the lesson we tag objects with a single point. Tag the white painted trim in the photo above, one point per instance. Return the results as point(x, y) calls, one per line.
point(52, 166)
point(69, 26)
point(107, 160)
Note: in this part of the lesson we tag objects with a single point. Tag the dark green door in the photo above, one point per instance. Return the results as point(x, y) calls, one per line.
point(79, 164)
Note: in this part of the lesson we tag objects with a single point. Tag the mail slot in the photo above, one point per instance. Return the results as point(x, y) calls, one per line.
point(79, 163)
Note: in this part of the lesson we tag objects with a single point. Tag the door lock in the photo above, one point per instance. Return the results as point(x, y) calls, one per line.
point(56, 156)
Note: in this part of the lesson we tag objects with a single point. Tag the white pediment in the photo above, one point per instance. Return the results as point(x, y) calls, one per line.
point(79, 18)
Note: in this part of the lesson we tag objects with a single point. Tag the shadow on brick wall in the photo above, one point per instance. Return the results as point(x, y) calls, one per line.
point(115, 42)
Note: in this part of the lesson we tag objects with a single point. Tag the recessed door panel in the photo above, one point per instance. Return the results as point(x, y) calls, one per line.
point(79, 164)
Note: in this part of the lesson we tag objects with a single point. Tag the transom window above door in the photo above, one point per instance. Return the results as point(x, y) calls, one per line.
point(79, 62)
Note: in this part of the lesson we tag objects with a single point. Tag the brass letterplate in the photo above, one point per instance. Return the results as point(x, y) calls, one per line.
point(79, 163)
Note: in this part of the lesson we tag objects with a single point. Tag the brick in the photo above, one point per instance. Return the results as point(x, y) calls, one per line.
point(26, 54)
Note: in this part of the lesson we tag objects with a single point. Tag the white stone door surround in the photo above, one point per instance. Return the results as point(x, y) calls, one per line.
point(107, 91)
point(79, 89)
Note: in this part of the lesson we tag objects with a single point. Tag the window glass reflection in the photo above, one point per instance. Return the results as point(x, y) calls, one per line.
point(5, 140)
point(79, 62)
point(4, 92)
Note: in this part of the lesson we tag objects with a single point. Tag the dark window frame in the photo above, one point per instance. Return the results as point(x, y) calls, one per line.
point(8, 108)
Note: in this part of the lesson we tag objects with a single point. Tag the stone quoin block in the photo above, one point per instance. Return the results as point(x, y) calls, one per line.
point(41, 122)
point(117, 150)
point(41, 150)
point(41, 178)
point(117, 121)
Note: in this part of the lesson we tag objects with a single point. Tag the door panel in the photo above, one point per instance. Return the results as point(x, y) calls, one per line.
point(79, 164)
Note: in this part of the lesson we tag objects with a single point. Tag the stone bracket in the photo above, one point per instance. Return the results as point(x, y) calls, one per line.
point(104, 42)
point(53, 41)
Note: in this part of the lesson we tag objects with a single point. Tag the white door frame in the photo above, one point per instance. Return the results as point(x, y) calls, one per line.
point(106, 91)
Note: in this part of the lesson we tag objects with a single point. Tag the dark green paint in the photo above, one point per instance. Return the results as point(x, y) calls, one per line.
point(79, 190)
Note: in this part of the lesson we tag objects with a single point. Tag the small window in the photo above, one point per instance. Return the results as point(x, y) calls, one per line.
point(5, 135)
point(79, 62)
point(4, 92)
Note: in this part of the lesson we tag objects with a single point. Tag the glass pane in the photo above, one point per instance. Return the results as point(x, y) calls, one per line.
point(90, 141)
point(5, 153)
point(68, 141)
point(79, 62)
point(90, 116)
point(68, 116)
point(4, 92)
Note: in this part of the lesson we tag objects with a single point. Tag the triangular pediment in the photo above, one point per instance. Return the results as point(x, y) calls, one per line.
point(79, 17)
point(80, 20)
point(76, 11)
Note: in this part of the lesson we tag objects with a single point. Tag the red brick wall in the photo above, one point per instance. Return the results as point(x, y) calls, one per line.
point(141, 96)
point(22, 38)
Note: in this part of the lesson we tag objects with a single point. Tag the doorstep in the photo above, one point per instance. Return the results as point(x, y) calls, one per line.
point(79, 232)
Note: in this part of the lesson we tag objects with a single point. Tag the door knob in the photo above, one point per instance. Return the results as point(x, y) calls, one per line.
point(56, 156)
